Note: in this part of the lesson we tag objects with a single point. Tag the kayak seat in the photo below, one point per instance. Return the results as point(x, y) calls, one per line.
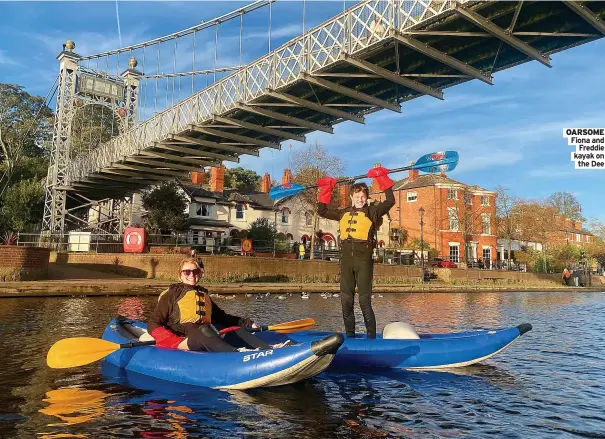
point(399, 331)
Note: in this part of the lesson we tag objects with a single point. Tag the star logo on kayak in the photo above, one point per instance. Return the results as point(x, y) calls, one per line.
point(257, 355)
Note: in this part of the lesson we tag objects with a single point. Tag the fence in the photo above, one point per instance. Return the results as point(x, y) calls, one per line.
point(183, 242)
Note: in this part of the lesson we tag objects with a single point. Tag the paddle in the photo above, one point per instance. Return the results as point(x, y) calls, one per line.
point(78, 351)
point(430, 163)
point(283, 328)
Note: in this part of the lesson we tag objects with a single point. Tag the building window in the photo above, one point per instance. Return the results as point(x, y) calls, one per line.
point(452, 194)
point(239, 211)
point(454, 253)
point(485, 200)
point(485, 224)
point(452, 215)
point(578, 237)
point(412, 196)
point(309, 218)
point(285, 215)
point(487, 254)
point(204, 210)
point(468, 198)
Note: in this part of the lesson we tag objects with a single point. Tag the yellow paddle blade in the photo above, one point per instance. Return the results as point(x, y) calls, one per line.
point(293, 326)
point(78, 351)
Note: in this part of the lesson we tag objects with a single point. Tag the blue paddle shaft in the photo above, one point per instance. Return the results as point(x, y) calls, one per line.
point(435, 162)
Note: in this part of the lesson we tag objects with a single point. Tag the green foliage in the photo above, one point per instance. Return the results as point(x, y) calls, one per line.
point(22, 205)
point(242, 179)
point(26, 124)
point(165, 206)
point(92, 126)
point(262, 232)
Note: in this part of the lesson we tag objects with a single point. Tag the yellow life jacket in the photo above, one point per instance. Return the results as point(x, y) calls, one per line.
point(192, 306)
point(355, 224)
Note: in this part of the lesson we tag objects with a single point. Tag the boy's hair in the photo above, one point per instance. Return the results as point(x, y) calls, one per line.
point(359, 187)
point(198, 263)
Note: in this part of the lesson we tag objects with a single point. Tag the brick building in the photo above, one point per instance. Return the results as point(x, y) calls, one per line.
point(459, 220)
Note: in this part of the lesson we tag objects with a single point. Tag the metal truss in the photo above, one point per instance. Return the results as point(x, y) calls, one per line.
point(341, 70)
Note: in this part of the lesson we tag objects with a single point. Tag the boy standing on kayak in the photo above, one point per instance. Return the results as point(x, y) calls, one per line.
point(185, 313)
point(358, 224)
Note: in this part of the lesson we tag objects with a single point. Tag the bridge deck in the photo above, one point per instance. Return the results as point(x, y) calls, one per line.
point(372, 56)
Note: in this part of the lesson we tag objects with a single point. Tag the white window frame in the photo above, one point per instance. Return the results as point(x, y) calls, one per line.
point(452, 193)
point(285, 216)
point(489, 253)
point(453, 223)
point(308, 218)
point(200, 208)
point(412, 196)
point(468, 198)
point(455, 258)
point(243, 212)
point(578, 237)
point(486, 221)
point(485, 200)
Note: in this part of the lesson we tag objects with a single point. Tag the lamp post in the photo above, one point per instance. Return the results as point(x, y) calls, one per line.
point(421, 212)
point(395, 241)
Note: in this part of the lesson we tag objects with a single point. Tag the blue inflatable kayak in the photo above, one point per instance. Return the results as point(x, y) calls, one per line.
point(430, 351)
point(221, 370)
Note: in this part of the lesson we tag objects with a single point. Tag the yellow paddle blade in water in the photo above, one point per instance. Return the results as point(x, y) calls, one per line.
point(293, 326)
point(78, 351)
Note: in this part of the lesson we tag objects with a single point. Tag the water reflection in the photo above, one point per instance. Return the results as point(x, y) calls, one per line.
point(548, 384)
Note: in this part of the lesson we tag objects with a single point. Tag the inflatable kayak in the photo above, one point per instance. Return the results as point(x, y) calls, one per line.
point(429, 351)
point(221, 370)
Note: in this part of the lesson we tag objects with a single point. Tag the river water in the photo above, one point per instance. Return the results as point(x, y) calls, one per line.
point(550, 383)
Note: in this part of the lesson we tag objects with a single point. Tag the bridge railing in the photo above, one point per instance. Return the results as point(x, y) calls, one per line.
point(351, 31)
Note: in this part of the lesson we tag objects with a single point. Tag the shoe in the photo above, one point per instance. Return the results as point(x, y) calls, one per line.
point(282, 345)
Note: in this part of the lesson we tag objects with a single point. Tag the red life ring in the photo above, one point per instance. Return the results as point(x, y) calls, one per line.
point(134, 240)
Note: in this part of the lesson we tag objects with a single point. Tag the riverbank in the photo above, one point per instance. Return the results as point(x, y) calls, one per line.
point(143, 287)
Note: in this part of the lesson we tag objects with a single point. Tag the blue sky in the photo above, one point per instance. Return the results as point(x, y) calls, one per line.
point(508, 134)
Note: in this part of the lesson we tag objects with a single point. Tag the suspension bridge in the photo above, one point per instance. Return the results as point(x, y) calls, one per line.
point(123, 123)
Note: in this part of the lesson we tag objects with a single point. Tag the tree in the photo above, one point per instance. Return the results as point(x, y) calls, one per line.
point(309, 165)
point(506, 224)
point(566, 205)
point(532, 224)
point(165, 206)
point(242, 179)
point(92, 125)
point(26, 127)
point(262, 232)
point(23, 204)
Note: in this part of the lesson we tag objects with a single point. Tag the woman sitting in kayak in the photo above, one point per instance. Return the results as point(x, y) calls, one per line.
point(185, 315)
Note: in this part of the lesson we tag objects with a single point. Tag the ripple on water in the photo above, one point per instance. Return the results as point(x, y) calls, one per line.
point(548, 384)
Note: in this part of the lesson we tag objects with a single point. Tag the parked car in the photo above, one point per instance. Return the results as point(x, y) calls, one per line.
point(442, 263)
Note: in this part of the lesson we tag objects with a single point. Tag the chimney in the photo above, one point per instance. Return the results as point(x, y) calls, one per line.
point(197, 177)
point(375, 188)
point(287, 177)
point(344, 192)
point(412, 173)
point(265, 183)
point(217, 179)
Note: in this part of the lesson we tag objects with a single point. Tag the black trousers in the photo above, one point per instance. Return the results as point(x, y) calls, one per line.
point(207, 338)
point(357, 271)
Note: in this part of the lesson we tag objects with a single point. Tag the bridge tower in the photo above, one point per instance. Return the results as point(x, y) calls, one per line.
point(77, 88)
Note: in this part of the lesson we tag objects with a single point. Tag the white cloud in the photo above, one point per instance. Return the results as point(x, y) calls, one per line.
point(6, 60)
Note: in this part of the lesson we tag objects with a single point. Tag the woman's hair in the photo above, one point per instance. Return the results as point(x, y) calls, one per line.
point(359, 187)
point(198, 264)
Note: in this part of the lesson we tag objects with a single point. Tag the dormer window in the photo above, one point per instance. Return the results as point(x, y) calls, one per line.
point(204, 210)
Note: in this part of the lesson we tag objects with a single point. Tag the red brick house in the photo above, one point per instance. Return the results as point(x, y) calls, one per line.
point(459, 220)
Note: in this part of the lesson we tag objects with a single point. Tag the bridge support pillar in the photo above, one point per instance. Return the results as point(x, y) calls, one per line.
point(55, 204)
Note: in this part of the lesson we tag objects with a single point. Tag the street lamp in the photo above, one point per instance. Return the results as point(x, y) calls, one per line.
point(421, 212)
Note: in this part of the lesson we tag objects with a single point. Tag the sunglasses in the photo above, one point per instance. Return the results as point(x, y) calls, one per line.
point(194, 272)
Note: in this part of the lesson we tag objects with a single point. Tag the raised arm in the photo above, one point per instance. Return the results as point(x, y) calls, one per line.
point(381, 175)
point(324, 210)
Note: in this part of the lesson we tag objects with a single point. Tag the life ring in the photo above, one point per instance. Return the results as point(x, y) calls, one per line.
point(134, 240)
